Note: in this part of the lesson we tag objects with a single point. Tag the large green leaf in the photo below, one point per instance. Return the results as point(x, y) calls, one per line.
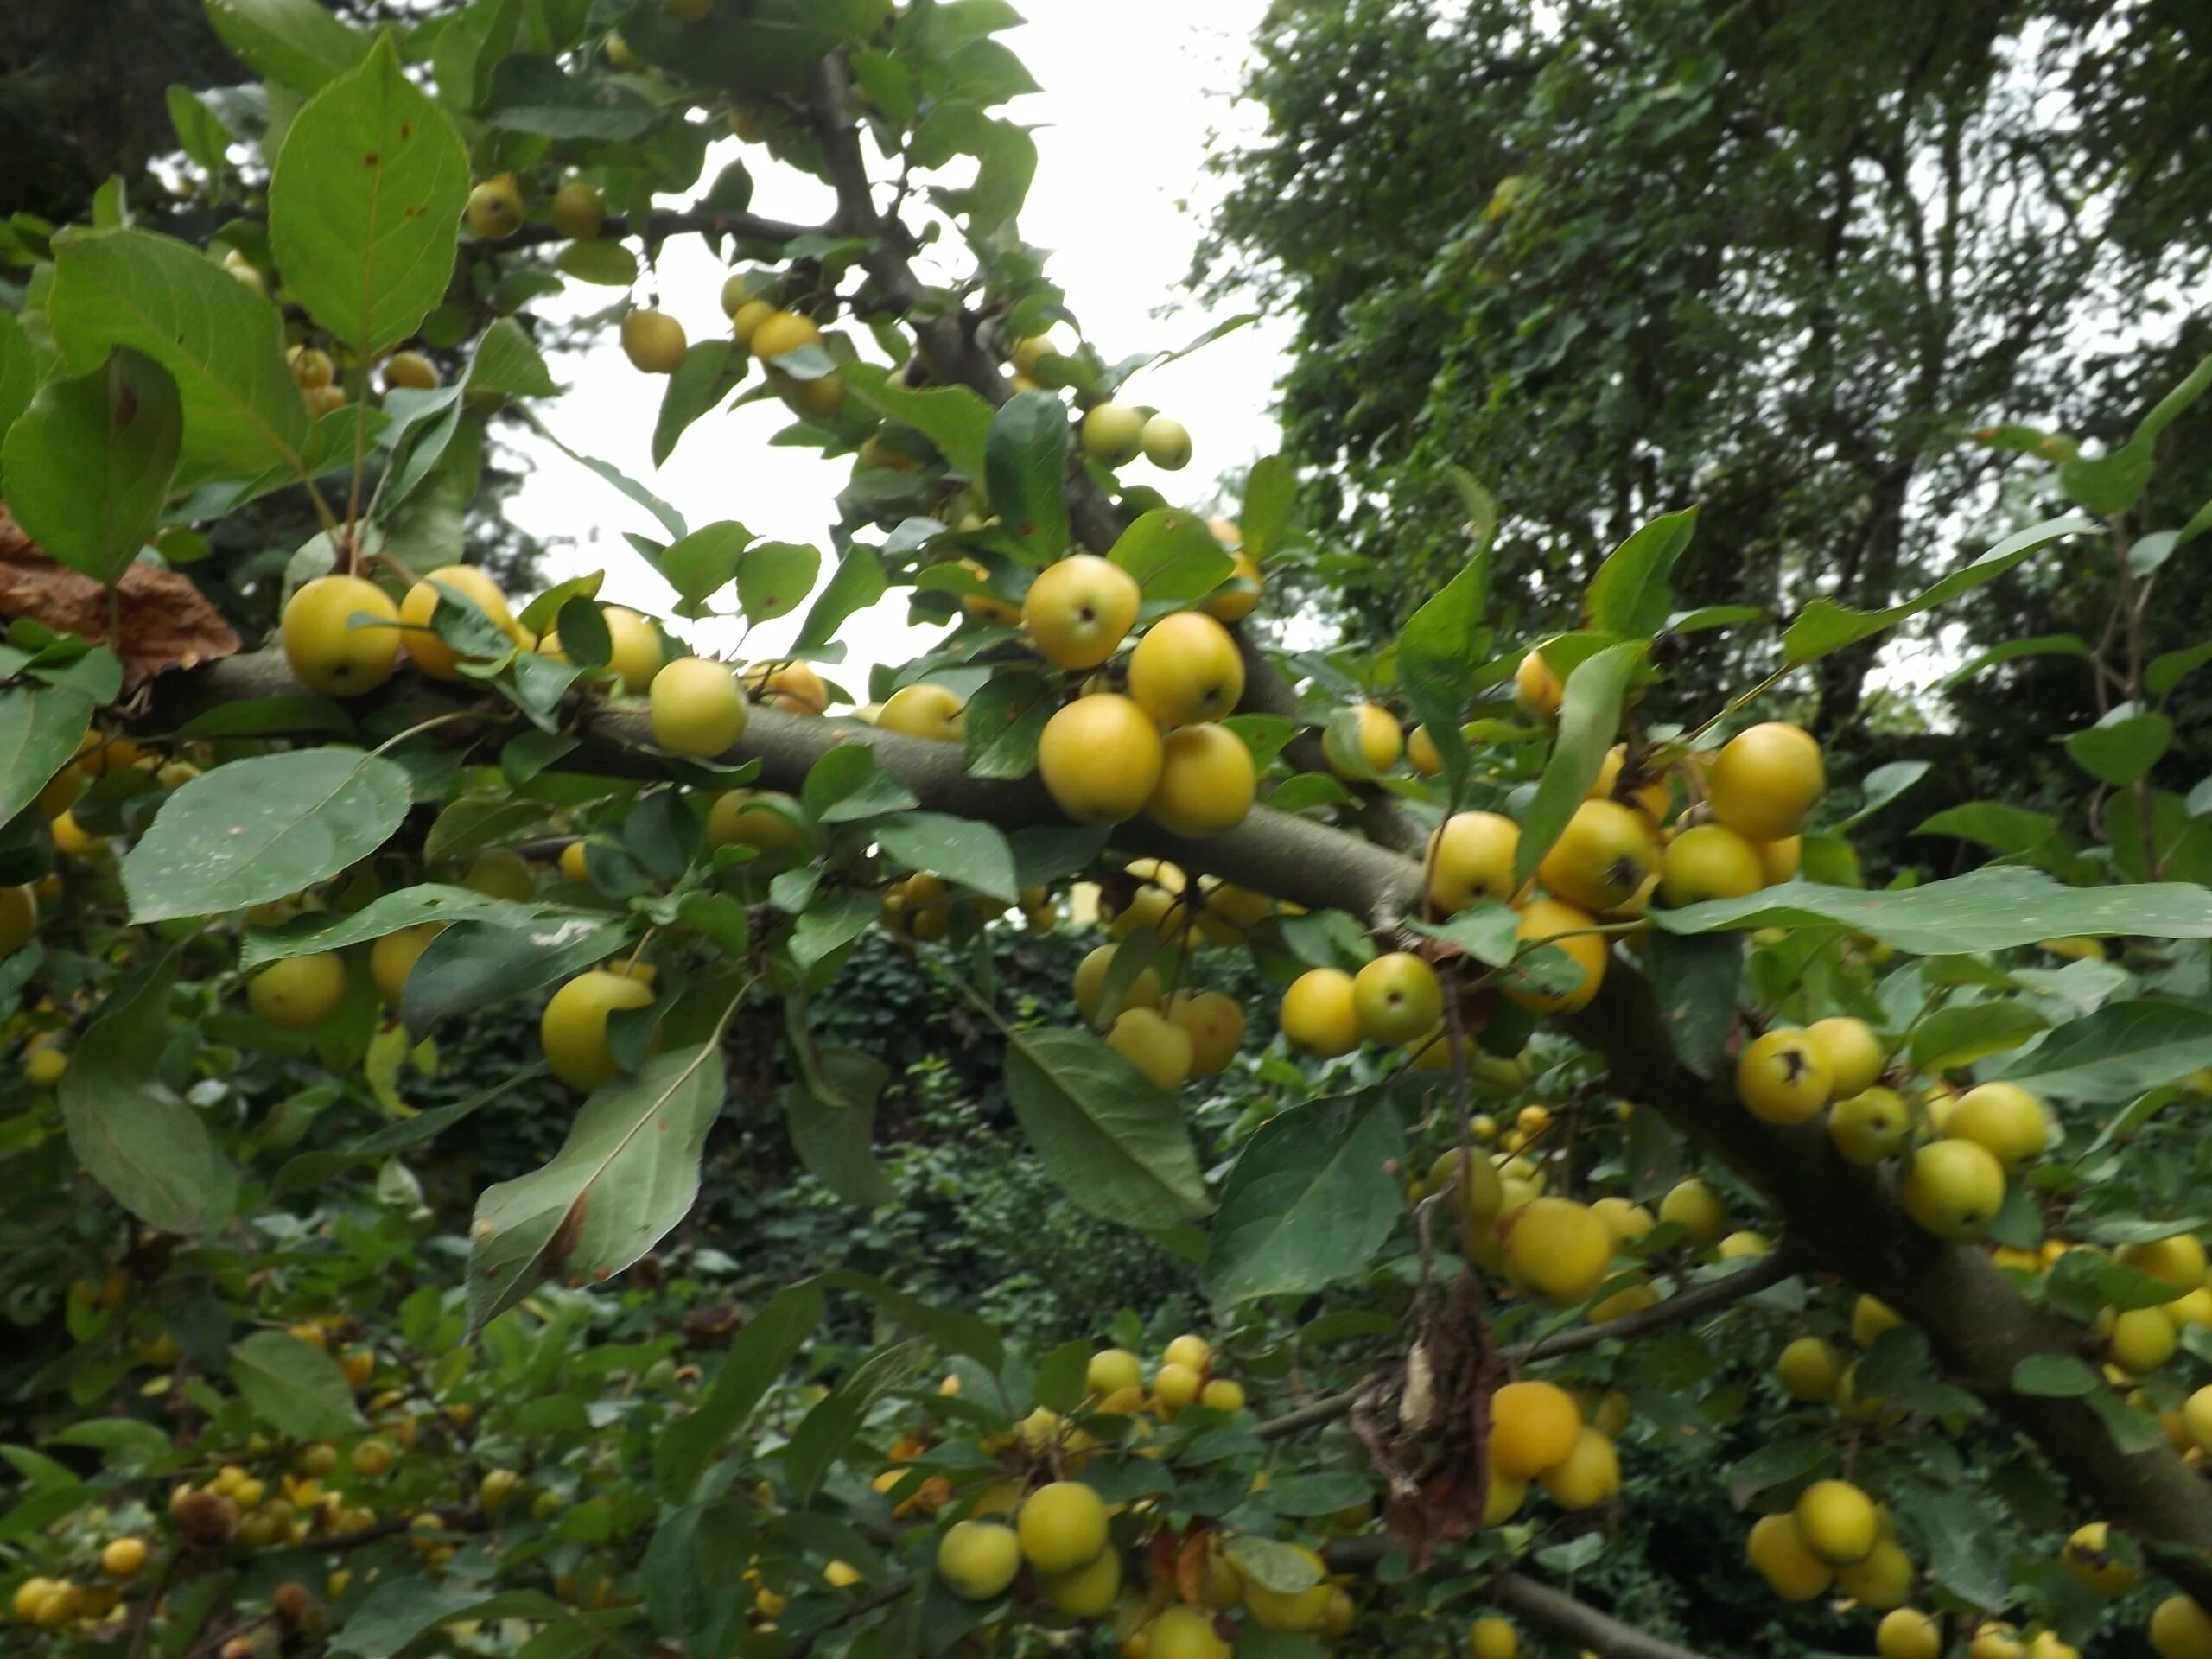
point(297, 43)
point(1440, 648)
point(627, 1173)
point(2122, 747)
point(428, 901)
point(1961, 1035)
point(1270, 498)
point(829, 1113)
point(1172, 555)
point(1589, 721)
point(1025, 455)
point(959, 850)
point(476, 965)
point(133, 1135)
point(954, 418)
point(1311, 1198)
point(710, 372)
point(530, 92)
point(89, 464)
point(263, 828)
point(774, 577)
point(221, 342)
point(1629, 595)
point(2121, 1051)
point(1990, 909)
point(18, 369)
point(40, 729)
point(1824, 625)
point(857, 583)
point(1116, 1144)
point(297, 1389)
point(827, 1430)
point(702, 563)
point(759, 1353)
point(364, 204)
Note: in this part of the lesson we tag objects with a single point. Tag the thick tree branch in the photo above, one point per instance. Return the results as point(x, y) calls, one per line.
point(1576, 1624)
point(1847, 1218)
point(1979, 1326)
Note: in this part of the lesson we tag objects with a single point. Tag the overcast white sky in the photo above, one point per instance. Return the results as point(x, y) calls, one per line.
point(1122, 131)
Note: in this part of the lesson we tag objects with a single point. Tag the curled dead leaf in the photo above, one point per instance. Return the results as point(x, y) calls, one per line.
point(166, 621)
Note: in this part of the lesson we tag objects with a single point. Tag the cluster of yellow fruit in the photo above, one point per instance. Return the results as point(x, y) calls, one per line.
point(1158, 746)
point(315, 373)
point(55, 1603)
point(1171, 1036)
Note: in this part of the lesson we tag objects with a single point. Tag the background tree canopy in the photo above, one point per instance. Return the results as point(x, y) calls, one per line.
point(1782, 261)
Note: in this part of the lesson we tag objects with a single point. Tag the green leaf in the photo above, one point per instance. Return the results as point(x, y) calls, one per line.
point(507, 361)
point(2168, 668)
point(710, 372)
point(1310, 1200)
point(2121, 748)
point(296, 1388)
point(1993, 908)
point(297, 43)
point(262, 828)
point(1961, 1035)
point(1270, 498)
point(1824, 625)
point(90, 461)
point(1629, 595)
point(1002, 724)
point(2176, 402)
point(364, 204)
point(1778, 1463)
point(857, 583)
point(774, 578)
point(955, 419)
point(1025, 456)
point(399, 1609)
point(1117, 1146)
point(1281, 1567)
point(18, 370)
point(1966, 1553)
point(1884, 785)
point(131, 1132)
point(827, 1430)
point(1993, 824)
point(847, 786)
point(628, 1172)
point(221, 343)
point(2108, 485)
point(1439, 649)
point(960, 849)
point(2043, 645)
point(610, 265)
point(2054, 1376)
point(473, 965)
point(830, 1112)
point(704, 563)
point(2117, 1052)
point(311, 1169)
point(828, 925)
point(2132, 1432)
point(428, 901)
point(199, 131)
point(40, 729)
point(1589, 722)
point(1697, 979)
point(1172, 556)
point(1062, 1377)
point(531, 93)
point(1713, 616)
point(760, 1352)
